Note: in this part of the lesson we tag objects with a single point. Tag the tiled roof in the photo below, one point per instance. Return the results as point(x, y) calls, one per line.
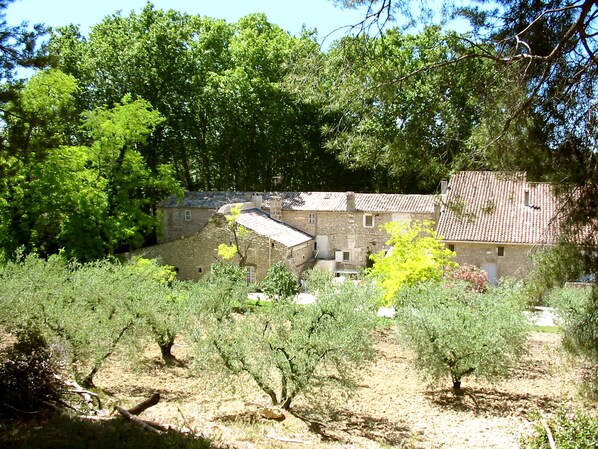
point(490, 207)
point(365, 202)
point(205, 200)
point(261, 223)
point(311, 201)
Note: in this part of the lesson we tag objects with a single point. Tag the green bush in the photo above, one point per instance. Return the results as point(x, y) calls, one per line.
point(286, 349)
point(457, 332)
point(316, 280)
point(577, 309)
point(569, 431)
point(280, 283)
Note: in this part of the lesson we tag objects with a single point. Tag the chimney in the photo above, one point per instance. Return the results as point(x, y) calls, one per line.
point(350, 201)
point(443, 186)
point(526, 198)
point(276, 207)
point(256, 199)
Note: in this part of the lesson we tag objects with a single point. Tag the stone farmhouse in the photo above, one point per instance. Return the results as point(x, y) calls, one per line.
point(335, 231)
point(497, 220)
point(490, 220)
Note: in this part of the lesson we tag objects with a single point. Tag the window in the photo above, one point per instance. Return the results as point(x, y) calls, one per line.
point(315, 245)
point(311, 219)
point(250, 274)
point(451, 247)
point(187, 215)
point(342, 256)
point(500, 251)
point(368, 220)
point(199, 269)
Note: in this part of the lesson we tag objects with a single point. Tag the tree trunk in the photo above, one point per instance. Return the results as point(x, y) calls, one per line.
point(286, 405)
point(166, 351)
point(457, 387)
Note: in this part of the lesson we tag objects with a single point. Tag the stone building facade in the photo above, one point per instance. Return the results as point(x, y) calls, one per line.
point(496, 221)
point(491, 220)
point(266, 242)
point(339, 229)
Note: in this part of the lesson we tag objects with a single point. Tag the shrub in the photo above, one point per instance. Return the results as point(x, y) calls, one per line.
point(457, 332)
point(474, 277)
point(286, 349)
point(577, 309)
point(316, 280)
point(280, 283)
point(569, 431)
point(27, 376)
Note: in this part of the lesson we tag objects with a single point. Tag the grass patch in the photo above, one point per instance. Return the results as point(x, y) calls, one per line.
point(547, 329)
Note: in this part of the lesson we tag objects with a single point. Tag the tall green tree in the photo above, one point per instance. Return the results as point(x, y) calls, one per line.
point(91, 199)
point(410, 125)
point(229, 121)
point(19, 47)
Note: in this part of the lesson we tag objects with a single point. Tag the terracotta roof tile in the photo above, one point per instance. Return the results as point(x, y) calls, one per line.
point(491, 207)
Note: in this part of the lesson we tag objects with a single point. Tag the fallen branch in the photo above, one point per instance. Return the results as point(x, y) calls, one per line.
point(551, 441)
point(85, 394)
point(142, 406)
point(137, 420)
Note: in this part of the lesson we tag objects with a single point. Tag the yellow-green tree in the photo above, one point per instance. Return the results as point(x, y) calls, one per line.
point(416, 255)
point(241, 238)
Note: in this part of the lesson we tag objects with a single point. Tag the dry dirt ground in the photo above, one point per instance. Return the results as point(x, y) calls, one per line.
point(392, 407)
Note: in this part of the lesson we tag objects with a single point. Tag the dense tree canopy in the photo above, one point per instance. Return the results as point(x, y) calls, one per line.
point(229, 121)
point(89, 199)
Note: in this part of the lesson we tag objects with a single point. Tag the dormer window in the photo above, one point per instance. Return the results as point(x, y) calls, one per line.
point(187, 215)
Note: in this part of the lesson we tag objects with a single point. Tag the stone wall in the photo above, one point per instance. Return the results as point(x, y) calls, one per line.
point(515, 261)
point(175, 226)
point(347, 231)
point(194, 255)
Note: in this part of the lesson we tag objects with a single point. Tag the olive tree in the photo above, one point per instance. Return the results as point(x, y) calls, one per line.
point(455, 331)
point(88, 312)
point(286, 349)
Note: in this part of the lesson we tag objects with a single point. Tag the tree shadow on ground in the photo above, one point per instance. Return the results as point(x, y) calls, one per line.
point(336, 424)
point(489, 400)
point(61, 430)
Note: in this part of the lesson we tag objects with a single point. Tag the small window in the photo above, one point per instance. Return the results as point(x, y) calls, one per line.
point(368, 220)
point(315, 246)
point(451, 247)
point(311, 218)
point(250, 274)
point(500, 251)
point(187, 215)
point(199, 269)
point(342, 256)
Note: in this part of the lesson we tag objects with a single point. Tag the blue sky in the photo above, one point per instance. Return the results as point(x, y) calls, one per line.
point(288, 14)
